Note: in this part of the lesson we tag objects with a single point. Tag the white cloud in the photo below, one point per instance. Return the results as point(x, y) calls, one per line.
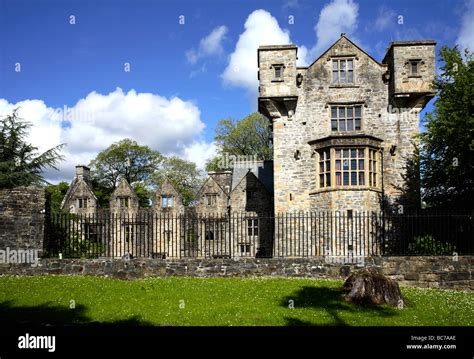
point(199, 152)
point(466, 34)
point(169, 125)
point(261, 28)
point(385, 18)
point(335, 18)
point(208, 46)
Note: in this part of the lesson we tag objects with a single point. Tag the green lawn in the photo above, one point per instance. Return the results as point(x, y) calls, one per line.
point(215, 302)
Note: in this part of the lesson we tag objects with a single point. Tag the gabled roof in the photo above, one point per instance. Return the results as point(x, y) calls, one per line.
point(168, 181)
point(249, 173)
point(124, 186)
point(212, 176)
point(343, 36)
point(76, 182)
point(263, 171)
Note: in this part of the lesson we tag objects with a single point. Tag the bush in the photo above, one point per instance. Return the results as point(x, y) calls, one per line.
point(427, 245)
point(75, 247)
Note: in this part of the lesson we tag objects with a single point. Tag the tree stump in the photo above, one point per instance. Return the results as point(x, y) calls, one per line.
point(368, 286)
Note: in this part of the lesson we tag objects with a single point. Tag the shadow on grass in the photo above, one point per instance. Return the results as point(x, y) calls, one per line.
point(52, 315)
point(332, 301)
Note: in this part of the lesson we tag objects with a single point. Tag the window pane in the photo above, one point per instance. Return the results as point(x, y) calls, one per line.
point(338, 178)
point(342, 112)
point(353, 164)
point(357, 124)
point(414, 67)
point(343, 65)
point(328, 179)
point(338, 165)
point(357, 111)
point(345, 165)
point(353, 153)
point(278, 71)
point(346, 153)
point(333, 112)
point(349, 64)
point(354, 178)
point(343, 77)
point(321, 166)
point(334, 64)
point(338, 153)
point(326, 155)
point(328, 166)
point(350, 111)
point(350, 76)
point(370, 165)
point(346, 178)
point(350, 124)
point(361, 178)
point(361, 164)
point(342, 125)
point(321, 180)
point(334, 76)
point(375, 180)
point(334, 125)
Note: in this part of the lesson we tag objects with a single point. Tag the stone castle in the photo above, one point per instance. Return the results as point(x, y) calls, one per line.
point(343, 131)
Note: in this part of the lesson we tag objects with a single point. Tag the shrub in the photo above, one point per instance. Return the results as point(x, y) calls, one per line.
point(428, 245)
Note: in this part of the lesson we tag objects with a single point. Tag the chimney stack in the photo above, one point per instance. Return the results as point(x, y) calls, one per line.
point(83, 172)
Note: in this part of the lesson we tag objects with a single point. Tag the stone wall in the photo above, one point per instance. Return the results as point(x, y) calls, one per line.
point(22, 218)
point(427, 272)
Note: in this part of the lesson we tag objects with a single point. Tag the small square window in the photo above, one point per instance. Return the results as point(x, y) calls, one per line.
point(414, 67)
point(277, 72)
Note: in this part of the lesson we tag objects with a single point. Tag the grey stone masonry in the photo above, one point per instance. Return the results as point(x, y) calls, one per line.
point(22, 218)
point(343, 127)
point(80, 197)
point(426, 272)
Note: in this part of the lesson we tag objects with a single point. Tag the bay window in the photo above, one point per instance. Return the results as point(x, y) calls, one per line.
point(347, 167)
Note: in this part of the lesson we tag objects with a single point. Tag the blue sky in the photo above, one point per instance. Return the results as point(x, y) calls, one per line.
point(183, 75)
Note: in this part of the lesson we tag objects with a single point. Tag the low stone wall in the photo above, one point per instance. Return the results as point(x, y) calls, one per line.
point(433, 272)
point(22, 218)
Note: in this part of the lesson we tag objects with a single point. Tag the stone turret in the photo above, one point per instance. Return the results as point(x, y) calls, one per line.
point(278, 77)
point(411, 70)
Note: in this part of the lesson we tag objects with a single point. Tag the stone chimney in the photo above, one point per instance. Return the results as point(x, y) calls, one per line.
point(83, 172)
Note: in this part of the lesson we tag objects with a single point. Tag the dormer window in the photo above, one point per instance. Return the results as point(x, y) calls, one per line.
point(210, 199)
point(82, 202)
point(166, 201)
point(123, 202)
point(343, 71)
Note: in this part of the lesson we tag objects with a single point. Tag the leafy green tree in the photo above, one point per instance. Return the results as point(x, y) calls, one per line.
point(447, 145)
point(57, 193)
point(102, 192)
point(249, 137)
point(184, 175)
point(125, 159)
point(20, 162)
point(144, 195)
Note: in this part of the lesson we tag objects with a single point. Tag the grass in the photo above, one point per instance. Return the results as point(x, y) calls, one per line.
point(216, 302)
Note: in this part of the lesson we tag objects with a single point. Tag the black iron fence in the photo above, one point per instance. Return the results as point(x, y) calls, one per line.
point(348, 235)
